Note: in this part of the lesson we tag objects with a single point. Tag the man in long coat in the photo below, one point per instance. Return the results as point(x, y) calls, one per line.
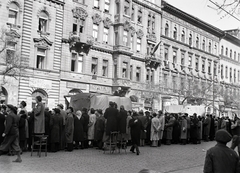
point(39, 117)
point(85, 127)
point(122, 121)
point(99, 129)
point(78, 135)
point(162, 124)
point(63, 115)
point(207, 125)
point(169, 129)
point(194, 129)
point(155, 126)
point(69, 129)
point(111, 115)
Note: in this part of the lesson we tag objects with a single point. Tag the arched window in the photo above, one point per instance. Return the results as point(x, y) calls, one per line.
point(221, 71)
point(13, 13)
point(197, 42)
point(175, 33)
point(230, 53)
point(3, 95)
point(43, 94)
point(222, 49)
point(226, 53)
point(166, 30)
point(43, 22)
point(203, 44)
point(209, 47)
point(190, 40)
point(183, 36)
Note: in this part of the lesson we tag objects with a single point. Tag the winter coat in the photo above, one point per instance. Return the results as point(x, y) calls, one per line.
point(91, 125)
point(99, 128)
point(22, 129)
point(206, 126)
point(39, 118)
point(136, 128)
point(169, 128)
point(56, 124)
point(2, 126)
point(78, 134)
point(122, 121)
point(183, 129)
point(128, 129)
point(155, 127)
point(221, 159)
point(69, 128)
point(162, 125)
point(47, 122)
point(111, 115)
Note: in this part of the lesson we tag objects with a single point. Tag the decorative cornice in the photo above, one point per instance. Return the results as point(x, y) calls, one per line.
point(19, 4)
point(80, 13)
point(107, 22)
point(101, 49)
point(96, 19)
point(149, 5)
point(140, 33)
point(43, 40)
point(13, 33)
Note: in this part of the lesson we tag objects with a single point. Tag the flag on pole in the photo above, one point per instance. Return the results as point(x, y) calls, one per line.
point(155, 48)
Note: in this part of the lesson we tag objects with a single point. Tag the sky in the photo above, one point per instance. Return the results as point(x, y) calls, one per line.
point(206, 11)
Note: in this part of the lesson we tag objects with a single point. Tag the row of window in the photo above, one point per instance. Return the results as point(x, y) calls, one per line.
point(189, 61)
point(231, 74)
point(230, 54)
point(193, 42)
point(106, 5)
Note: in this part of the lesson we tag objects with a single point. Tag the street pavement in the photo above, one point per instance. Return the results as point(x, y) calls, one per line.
point(165, 159)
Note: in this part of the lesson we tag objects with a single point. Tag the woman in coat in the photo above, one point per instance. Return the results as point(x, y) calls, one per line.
point(155, 127)
point(78, 135)
point(2, 121)
point(169, 129)
point(99, 129)
point(91, 125)
point(39, 117)
point(56, 124)
point(69, 128)
point(136, 128)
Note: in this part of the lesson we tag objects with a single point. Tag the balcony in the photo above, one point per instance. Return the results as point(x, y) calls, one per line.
point(152, 62)
point(79, 41)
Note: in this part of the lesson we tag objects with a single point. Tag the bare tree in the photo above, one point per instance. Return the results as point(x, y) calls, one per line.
point(10, 60)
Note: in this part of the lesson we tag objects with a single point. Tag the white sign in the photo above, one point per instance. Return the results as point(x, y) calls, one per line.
point(40, 83)
point(100, 89)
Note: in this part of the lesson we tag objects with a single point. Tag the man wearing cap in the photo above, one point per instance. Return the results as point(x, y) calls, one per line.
point(11, 133)
point(220, 158)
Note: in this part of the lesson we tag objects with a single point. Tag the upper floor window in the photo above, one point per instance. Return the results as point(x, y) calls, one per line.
point(126, 7)
point(190, 40)
point(209, 67)
point(166, 54)
point(166, 30)
point(209, 47)
point(95, 32)
point(139, 17)
point(175, 33)
point(203, 65)
point(10, 50)
point(226, 53)
point(215, 49)
point(197, 63)
point(41, 58)
point(226, 72)
point(94, 67)
point(131, 42)
point(182, 58)
point(183, 36)
point(197, 42)
point(133, 14)
point(77, 63)
point(222, 50)
point(124, 70)
point(138, 74)
point(105, 35)
point(203, 45)
point(139, 44)
point(230, 53)
point(150, 75)
point(234, 75)
point(96, 4)
point(235, 55)
point(118, 7)
point(174, 58)
point(78, 25)
point(238, 75)
point(43, 22)
point(13, 13)
point(105, 68)
point(125, 38)
point(222, 71)
point(189, 60)
point(107, 6)
point(215, 69)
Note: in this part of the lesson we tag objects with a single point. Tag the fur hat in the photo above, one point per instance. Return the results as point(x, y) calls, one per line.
point(223, 136)
point(12, 108)
point(60, 105)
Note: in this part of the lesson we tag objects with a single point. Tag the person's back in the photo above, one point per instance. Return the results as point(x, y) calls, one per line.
point(220, 158)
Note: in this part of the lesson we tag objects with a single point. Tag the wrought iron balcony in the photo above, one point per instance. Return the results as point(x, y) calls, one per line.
point(152, 62)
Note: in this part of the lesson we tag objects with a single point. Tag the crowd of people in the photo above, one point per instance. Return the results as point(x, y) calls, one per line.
point(69, 129)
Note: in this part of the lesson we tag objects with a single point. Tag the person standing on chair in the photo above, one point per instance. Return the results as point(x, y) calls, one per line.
point(136, 127)
point(11, 133)
point(39, 117)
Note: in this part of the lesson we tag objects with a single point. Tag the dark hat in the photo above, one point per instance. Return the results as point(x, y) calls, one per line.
point(23, 103)
point(100, 111)
point(12, 108)
point(60, 105)
point(223, 136)
point(56, 110)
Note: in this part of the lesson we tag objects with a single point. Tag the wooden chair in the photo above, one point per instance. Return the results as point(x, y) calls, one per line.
point(39, 141)
point(112, 143)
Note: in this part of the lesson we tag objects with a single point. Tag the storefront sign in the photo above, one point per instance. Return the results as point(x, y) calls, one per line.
point(100, 89)
point(40, 83)
point(81, 86)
